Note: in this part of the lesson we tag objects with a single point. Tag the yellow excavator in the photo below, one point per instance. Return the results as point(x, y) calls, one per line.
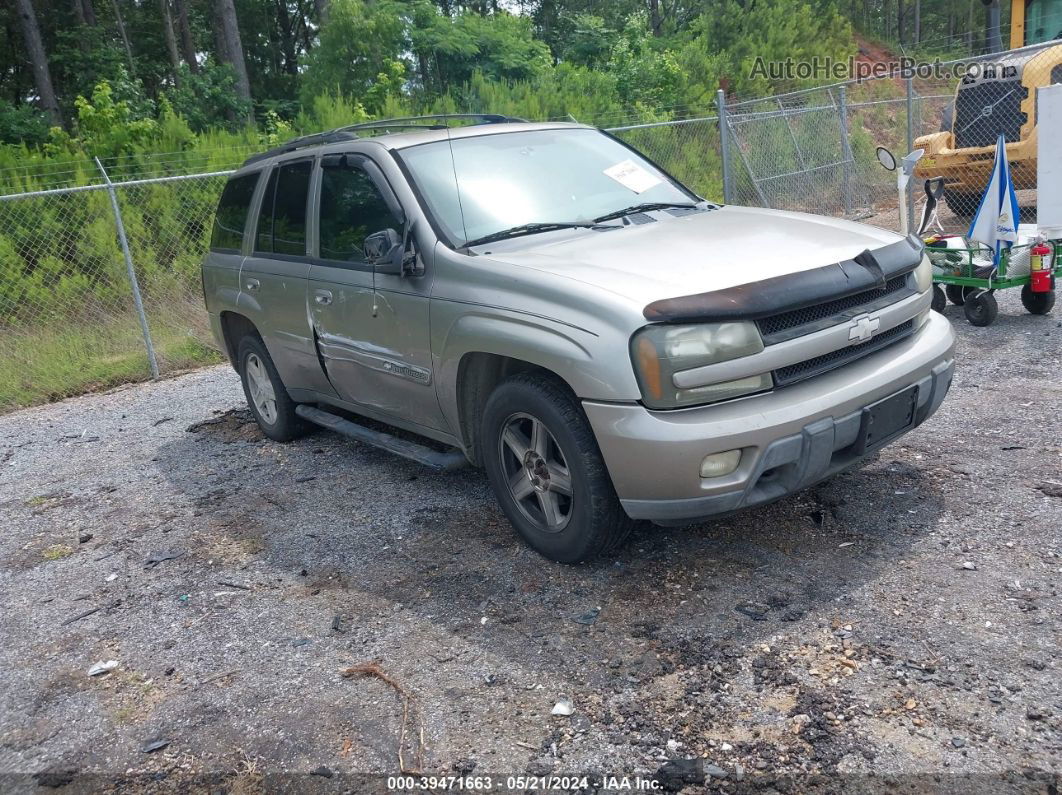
point(999, 96)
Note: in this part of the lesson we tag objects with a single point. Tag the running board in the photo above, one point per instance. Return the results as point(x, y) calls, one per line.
point(443, 462)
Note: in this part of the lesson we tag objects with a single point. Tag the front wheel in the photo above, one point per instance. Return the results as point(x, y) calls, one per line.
point(981, 308)
point(546, 470)
point(939, 301)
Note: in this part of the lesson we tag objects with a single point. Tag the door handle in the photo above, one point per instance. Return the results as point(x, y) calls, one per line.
point(322, 297)
point(252, 285)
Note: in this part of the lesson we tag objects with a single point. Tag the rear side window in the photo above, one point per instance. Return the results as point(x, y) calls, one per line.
point(351, 209)
point(282, 218)
point(231, 216)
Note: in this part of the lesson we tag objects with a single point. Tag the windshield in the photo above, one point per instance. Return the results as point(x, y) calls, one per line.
point(1043, 21)
point(532, 177)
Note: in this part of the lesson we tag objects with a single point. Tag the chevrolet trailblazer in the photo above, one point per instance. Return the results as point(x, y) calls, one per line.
point(544, 302)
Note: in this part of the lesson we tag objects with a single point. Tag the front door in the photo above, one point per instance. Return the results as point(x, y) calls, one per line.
point(372, 329)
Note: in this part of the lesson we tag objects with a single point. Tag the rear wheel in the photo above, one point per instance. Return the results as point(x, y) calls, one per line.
point(546, 470)
point(1037, 303)
point(963, 205)
point(981, 308)
point(956, 293)
point(272, 407)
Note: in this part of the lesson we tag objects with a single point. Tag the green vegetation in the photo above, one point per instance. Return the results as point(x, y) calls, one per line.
point(57, 552)
point(40, 364)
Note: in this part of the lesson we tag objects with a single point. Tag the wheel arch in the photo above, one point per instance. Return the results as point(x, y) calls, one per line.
point(235, 327)
point(478, 374)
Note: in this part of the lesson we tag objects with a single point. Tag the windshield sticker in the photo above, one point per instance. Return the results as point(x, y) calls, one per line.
point(632, 176)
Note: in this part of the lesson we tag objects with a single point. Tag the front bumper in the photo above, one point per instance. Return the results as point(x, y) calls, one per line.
point(789, 438)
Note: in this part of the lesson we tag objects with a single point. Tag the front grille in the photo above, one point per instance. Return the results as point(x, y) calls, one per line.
point(784, 376)
point(984, 110)
point(776, 324)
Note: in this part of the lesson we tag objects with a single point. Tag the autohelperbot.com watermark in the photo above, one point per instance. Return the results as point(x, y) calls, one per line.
point(852, 68)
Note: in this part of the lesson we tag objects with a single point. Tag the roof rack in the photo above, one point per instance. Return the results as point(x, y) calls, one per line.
point(350, 132)
point(432, 122)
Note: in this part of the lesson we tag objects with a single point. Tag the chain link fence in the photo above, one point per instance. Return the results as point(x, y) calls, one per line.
point(99, 280)
point(100, 285)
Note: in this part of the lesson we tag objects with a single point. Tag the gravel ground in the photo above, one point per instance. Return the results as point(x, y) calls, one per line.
point(896, 628)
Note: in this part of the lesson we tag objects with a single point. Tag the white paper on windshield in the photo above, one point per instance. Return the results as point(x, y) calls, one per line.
point(632, 176)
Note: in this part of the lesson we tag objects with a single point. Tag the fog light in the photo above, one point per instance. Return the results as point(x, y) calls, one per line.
point(718, 464)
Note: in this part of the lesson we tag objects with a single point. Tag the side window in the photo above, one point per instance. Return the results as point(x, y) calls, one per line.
point(282, 218)
point(231, 215)
point(263, 236)
point(351, 209)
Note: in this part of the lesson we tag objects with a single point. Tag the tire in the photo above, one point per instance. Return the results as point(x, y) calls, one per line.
point(947, 117)
point(964, 205)
point(981, 308)
point(561, 500)
point(1037, 303)
point(956, 293)
point(939, 301)
point(276, 416)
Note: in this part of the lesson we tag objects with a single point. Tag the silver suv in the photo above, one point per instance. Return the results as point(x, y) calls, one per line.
point(543, 301)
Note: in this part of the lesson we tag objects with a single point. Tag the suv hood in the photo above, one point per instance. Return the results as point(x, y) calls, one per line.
point(696, 253)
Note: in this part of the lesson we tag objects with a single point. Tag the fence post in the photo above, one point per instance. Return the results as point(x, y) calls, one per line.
point(724, 145)
point(846, 149)
point(910, 146)
point(137, 300)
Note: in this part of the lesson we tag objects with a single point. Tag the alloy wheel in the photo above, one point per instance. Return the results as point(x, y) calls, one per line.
point(261, 389)
point(536, 473)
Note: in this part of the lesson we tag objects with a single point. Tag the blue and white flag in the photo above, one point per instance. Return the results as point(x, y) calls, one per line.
point(996, 221)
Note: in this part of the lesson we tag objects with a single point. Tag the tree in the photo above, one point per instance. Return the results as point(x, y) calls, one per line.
point(184, 29)
point(229, 36)
point(499, 45)
point(42, 77)
point(171, 38)
point(360, 43)
point(120, 22)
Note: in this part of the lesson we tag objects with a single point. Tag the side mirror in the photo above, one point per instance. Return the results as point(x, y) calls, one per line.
point(910, 159)
point(383, 250)
point(886, 158)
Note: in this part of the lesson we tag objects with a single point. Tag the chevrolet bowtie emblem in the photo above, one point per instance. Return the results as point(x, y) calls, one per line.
point(863, 328)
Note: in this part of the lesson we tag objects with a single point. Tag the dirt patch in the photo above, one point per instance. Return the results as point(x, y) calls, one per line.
point(234, 425)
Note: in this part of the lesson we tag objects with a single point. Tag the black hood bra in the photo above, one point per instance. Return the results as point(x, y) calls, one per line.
point(866, 271)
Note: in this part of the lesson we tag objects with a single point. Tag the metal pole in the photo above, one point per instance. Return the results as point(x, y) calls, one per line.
point(846, 150)
point(724, 145)
point(810, 185)
point(152, 361)
point(910, 147)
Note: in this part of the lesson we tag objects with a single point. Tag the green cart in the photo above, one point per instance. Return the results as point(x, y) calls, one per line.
point(967, 278)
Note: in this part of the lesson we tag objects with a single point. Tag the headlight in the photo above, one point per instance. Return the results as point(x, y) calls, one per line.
point(924, 274)
point(658, 352)
point(923, 281)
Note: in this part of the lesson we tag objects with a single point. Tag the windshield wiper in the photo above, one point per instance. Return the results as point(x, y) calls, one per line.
point(529, 229)
point(647, 206)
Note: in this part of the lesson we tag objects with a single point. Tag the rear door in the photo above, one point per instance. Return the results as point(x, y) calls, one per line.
point(221, 267)
point(273, 278)
point(372, 329)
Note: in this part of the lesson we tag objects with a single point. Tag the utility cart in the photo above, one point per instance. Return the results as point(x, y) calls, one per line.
point(967, 277)
point(964, 272)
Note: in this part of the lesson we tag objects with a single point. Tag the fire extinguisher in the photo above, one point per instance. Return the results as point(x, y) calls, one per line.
point(1041, 274)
